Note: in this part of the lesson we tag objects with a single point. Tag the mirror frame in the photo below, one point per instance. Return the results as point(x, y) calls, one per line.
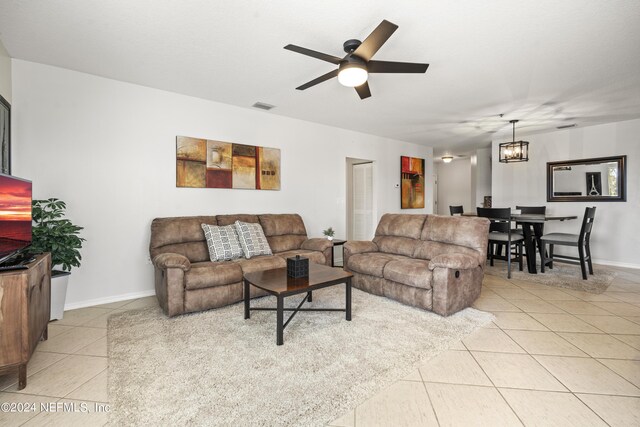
point(622, 177)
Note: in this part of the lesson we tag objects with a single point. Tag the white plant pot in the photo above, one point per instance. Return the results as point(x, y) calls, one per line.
point(58, 294)
point(329, 237)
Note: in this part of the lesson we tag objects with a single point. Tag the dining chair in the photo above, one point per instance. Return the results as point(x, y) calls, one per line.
point(581, 241)
point(500, 234)
point(537, 210)
point(456, 210)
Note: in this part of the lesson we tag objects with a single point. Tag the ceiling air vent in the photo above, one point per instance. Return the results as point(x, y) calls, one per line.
point(566, 126)
point(263, 106)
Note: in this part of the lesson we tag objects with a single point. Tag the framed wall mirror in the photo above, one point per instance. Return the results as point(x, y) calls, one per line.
point(600, 179)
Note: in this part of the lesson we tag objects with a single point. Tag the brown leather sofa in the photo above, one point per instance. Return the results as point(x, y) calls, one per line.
point(427, 261)
point(187, 281)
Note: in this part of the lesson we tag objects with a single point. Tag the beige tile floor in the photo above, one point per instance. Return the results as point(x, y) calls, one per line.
point(552, 357)
point(68, 372)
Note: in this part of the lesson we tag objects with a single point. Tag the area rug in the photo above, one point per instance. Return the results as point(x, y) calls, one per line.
point(561, 276)
point(215, 368)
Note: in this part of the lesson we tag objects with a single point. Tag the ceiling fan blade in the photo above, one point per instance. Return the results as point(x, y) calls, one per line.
point(376, 39)
point(363, 90)
point(396, 67)
point(320, 79)
point(313, 53)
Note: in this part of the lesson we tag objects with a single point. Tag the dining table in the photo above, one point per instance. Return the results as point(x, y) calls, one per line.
point(532, 226)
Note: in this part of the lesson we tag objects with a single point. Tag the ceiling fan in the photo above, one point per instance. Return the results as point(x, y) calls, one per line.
point(354, 68)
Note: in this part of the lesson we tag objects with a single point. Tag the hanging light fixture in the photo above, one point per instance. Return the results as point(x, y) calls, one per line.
point(447, 159)
point(514, 151)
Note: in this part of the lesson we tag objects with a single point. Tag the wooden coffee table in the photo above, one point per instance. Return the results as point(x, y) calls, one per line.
point(277, 283)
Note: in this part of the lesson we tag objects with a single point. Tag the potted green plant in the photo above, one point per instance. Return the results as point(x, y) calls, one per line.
point(329, 233)
point(53, 233)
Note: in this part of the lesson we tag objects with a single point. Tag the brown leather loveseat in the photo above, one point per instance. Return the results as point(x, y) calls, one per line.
point(427, 261)
point(187, 281)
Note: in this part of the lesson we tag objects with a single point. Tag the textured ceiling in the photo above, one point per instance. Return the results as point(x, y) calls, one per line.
point(545, 62)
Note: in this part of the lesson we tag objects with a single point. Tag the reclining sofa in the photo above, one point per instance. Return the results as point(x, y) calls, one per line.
point(187, 281)
point(427, 261)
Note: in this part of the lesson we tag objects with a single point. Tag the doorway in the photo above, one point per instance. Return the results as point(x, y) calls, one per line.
point(361, 213)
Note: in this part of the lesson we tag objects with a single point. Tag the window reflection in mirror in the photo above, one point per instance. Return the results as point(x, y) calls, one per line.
point(588, 179)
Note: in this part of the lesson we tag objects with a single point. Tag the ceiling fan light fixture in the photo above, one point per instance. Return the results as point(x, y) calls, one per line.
point(447, 159)
point(352, 74)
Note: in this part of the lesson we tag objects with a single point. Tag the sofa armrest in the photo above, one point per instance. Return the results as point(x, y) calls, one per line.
point(456, 282)
point(360, 247)
point(171, 260)
point(170, 269)
point(454, 261)
point(354, 247)
point(321, 245)
point(316, 244)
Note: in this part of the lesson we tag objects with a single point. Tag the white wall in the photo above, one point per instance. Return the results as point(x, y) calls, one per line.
point(481, 178)
point(5, 73)
point(108, 149)
point(454, 185)
point(616, 233)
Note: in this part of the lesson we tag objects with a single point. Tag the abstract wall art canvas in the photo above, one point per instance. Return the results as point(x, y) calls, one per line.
point(412, 182)
point(203, 163)
point(269, 163)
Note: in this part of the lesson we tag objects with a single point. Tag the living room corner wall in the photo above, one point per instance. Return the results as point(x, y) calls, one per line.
point(616, 234)
point(108, 149)
point(5, 73)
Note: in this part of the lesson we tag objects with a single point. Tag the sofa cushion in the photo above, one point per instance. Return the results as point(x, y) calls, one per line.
point(314, 256)
point(401, 225)
point(222, 241)
point(285, 243)
point(410, 272)
point(372, 263)
point(429, 250)
point(209, 274)
point(462, 231)
point(231, 219)
point(181, 235)
point(193, 251)
point(282, 224)
point(252, 239)
point(260, 263)
point(396, 245)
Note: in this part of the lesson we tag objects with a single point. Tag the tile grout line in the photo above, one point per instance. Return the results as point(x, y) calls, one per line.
point(81, 385)
point(591, 409)
point(588, 355)
point(494, 385)
point(5, 390)
point(424, 385)
point(560, 382)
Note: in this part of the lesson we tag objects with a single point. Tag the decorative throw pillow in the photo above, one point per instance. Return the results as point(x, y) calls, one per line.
point(252, 239)
point(223, 242)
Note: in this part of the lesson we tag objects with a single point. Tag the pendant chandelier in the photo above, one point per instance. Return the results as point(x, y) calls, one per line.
point(514, 151)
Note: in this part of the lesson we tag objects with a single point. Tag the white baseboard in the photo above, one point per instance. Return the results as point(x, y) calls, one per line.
point(107, 300)
point(615, 263)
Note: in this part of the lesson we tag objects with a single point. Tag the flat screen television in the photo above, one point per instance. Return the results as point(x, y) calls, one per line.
point(15, 215)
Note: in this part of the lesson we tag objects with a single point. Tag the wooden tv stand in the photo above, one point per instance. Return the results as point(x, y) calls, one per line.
point(25, 306)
